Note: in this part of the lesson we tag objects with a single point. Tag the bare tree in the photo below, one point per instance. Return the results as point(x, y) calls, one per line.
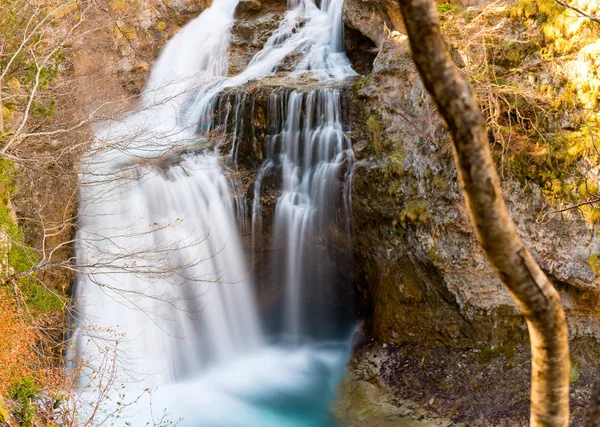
point(45, 133)
point(45, 138)
point(535, 295)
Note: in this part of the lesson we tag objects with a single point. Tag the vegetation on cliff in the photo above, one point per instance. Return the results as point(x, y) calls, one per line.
point(64, 67)
point(534, 67)
point(31, 320)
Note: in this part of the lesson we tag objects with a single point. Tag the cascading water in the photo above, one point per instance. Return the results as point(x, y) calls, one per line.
point(166, 296)
point(315, 161)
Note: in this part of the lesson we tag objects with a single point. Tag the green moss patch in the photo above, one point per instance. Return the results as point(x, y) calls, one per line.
point(23, 393)
point(22, 258)
point(415, 212)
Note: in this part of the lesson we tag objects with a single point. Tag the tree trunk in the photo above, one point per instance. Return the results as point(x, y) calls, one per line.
point(536, 297)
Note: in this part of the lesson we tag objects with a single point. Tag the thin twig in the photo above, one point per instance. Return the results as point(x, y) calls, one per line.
point(579, 11)
point(589, 202)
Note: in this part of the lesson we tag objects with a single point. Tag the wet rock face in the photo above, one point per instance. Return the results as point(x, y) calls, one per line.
point(374, 19)
point(255, 21)
point(406, 297)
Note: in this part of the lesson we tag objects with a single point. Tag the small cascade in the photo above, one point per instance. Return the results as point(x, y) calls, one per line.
point(308, 147)
point(308, 32)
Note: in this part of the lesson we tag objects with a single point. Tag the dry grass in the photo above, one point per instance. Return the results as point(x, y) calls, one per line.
point(17, 342)
point(536, 69)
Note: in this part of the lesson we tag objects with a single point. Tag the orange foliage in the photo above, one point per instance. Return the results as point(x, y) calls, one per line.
point(17, 338)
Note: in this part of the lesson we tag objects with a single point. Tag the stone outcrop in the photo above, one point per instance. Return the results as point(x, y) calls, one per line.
point(426, 288)
point(421, 264)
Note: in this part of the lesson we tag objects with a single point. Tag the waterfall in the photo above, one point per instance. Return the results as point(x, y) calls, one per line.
point(315, 160)
point(161, 270)
point(165, 293)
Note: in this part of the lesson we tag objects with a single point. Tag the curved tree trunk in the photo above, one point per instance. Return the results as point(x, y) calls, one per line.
point(536, 297)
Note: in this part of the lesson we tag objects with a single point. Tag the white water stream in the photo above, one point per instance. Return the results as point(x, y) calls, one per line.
point(165, 296)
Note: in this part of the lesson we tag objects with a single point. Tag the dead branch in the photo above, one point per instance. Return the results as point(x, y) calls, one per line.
point(579, 11)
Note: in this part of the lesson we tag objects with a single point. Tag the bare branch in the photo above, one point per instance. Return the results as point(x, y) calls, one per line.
point(579, 11)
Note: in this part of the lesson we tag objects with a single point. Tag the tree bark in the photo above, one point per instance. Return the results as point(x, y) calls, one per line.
point(536, 297)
